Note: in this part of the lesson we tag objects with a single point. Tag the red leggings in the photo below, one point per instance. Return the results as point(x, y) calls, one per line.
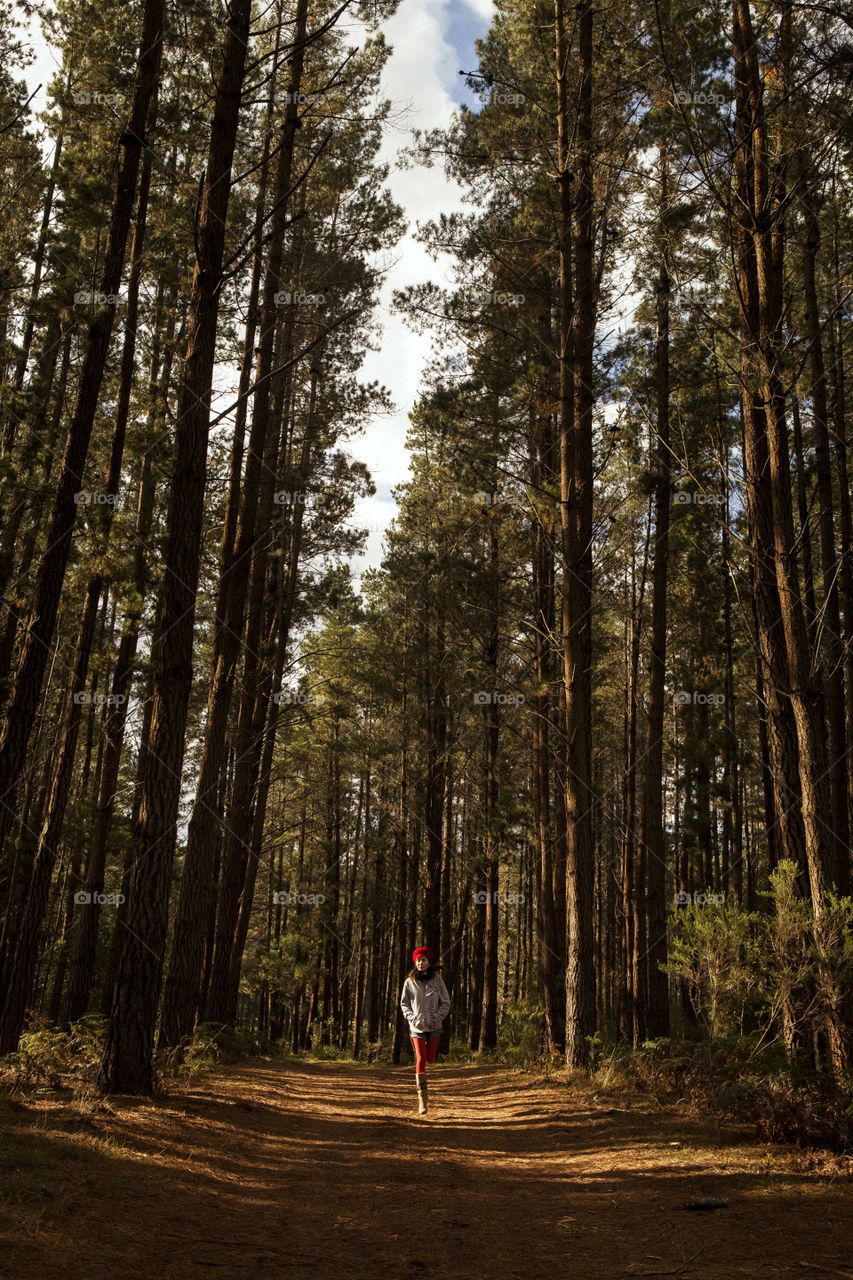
point(425, 1051)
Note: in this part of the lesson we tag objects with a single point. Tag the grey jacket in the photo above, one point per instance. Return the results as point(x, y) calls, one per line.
point(425, 1005)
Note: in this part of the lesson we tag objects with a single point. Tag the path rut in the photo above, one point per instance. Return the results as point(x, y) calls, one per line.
point(266, 1171)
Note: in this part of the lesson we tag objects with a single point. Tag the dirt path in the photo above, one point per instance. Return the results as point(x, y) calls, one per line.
point(264, 1171)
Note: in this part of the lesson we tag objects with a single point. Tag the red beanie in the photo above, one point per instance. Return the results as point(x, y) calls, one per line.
point(423, 951)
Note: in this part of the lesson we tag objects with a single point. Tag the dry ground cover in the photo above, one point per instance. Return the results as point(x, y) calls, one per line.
point(265, 1170)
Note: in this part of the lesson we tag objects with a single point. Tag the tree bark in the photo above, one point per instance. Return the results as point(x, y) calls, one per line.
point(182, 984)
point(128, 1056)
point(32, 663)
point(576, 483)
point(651, 821)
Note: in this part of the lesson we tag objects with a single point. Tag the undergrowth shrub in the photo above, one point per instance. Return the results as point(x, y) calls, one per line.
point(49, 1057)
point(520, 1034)
point(784, 1104)
point(773, 978)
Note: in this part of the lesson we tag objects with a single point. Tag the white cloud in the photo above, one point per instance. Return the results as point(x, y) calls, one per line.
point(422, 77)
point(483, 8)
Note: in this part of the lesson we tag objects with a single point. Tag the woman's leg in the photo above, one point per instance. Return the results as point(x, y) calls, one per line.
point(420, 1055)
point(432, 1048)
point(420, 1073)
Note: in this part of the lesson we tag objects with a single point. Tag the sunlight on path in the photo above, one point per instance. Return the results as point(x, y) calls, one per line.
point(323, 1169)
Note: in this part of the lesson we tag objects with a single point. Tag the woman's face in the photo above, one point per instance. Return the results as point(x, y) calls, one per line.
point(422, 963)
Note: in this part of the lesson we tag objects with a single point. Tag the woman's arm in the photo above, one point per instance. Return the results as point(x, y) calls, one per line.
point(443, 1000)
point(406, 1001)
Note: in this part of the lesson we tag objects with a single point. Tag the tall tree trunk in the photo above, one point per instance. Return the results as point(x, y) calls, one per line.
point(37, 451)
point(29, 676)
point(762, 203)
point(632, 901)
point(403, 890)
point(255, 693)
point(833, 663)
point(804, 513)
point(434, 782)
point(491, 733)
point(23, 972)
point(127, 1062)
point(839, 408)
point(12, 420)
point(182, 985)
point(86, 934)
point(577, 315)
point(651, 820)
point(541, 449)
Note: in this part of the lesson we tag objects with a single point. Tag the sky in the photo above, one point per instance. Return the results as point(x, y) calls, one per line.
point(432, 40)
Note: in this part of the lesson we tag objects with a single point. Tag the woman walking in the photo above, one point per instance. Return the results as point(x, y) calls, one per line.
point(425, 1004)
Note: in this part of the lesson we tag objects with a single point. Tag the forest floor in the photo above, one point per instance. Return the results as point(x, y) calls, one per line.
point(263, 1170)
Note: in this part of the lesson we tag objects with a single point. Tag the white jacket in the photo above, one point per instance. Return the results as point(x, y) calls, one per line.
point(425, 1003)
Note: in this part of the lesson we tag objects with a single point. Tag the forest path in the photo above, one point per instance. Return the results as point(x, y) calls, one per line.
point(264, 1171)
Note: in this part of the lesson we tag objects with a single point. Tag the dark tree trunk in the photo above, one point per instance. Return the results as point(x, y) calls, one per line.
point(577, 218)
point(541, 450)
point(833, 663)
point(491, 736)
point(182, 985)
point(86, 933)
point(651, 821)
point(128, 1056)
point(29, 676)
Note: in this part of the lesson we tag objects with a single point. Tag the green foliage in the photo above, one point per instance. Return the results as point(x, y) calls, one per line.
point(323, 1044)
point(785, 1104)
point(765, 976)
point(811, 963)
point(521, 1033)
point(203, 1054)
point(458, 1051)
point(809, 1110)
point(48, 1057)
point(713, 950)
